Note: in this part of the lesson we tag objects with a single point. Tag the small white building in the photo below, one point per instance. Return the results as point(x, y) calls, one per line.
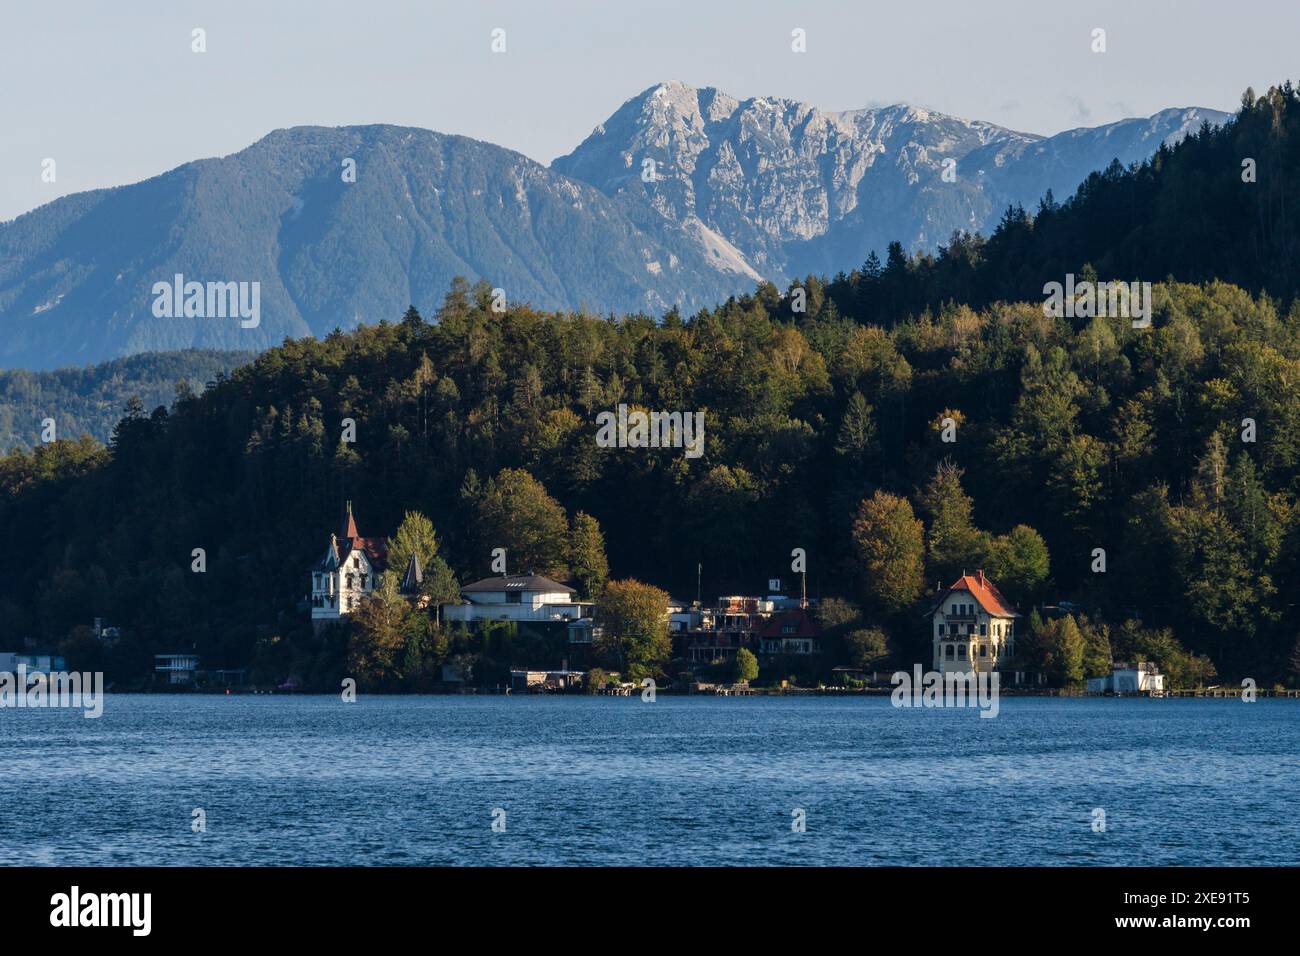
point(517, 597)
point(974, 626)
point(175, 668)
point(1142, 677)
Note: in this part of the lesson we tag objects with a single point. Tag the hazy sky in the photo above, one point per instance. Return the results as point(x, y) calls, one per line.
point(112, 92)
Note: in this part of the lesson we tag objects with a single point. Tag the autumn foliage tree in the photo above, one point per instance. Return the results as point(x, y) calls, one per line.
point(891, 546)
point(633, 618)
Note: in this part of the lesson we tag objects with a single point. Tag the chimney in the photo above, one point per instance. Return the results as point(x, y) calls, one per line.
point(981, 574)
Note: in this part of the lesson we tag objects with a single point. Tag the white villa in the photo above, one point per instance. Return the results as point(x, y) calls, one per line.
point(347, 573)
point(974, 626)
point(517, 597)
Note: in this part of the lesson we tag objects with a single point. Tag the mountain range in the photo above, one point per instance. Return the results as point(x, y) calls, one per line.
point(684, 196)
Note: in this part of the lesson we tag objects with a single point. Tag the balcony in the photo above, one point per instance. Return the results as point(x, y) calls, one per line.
point(512, 612)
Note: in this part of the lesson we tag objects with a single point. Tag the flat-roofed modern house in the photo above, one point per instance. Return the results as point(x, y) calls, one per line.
point(176, 668)
point(517, 597)
point(974, 626)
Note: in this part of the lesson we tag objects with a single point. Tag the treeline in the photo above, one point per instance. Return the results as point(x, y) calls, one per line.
point(1070, 436)
point(89, 401)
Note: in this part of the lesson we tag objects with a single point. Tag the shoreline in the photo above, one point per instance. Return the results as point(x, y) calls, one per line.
point(1201, 694)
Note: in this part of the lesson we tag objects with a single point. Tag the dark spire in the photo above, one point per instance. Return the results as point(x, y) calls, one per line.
point(414, 576)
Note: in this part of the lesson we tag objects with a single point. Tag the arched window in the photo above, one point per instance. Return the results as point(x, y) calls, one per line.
point(961, 651)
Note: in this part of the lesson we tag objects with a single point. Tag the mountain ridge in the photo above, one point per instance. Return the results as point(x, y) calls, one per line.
point(746, 190)
point(825, 198)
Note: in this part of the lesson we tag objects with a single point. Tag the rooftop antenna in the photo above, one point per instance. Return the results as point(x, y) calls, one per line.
point(699, 572)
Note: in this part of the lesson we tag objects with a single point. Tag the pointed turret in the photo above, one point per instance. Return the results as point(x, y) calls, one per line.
point(414, 576)
point(331, 559)
point(350, 525)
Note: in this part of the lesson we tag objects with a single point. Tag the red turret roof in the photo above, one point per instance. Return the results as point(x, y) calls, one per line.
point(376, 549)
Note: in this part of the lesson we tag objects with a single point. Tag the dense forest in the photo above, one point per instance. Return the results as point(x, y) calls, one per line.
point(896, 429)
point(1218, 205)
point(89, 401)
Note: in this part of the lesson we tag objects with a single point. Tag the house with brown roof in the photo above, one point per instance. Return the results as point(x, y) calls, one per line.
point(792, 633)
point(974, 626)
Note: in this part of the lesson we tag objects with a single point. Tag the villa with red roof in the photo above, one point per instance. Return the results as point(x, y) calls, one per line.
point(974, 626)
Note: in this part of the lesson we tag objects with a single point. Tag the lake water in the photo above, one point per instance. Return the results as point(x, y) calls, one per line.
point(700, 780)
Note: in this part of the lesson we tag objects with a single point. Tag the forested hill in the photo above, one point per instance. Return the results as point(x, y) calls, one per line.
point(90, 400)
point(1071, 435)
point(1221, 204)
point(1148, 475)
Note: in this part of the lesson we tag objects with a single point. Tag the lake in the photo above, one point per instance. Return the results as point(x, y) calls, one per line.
point(695, 780)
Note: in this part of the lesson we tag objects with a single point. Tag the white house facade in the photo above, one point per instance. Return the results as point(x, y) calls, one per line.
point(347, 573)
point(517, 597)
point(974, 627)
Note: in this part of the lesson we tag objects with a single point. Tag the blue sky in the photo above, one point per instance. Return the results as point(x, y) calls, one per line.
point(113, 93)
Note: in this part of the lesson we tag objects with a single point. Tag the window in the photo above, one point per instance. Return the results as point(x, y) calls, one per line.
point(961, 651)
point(350, 584)
point(984, 651)
point(947, 652)
point(983, 629)
point(514, 597)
